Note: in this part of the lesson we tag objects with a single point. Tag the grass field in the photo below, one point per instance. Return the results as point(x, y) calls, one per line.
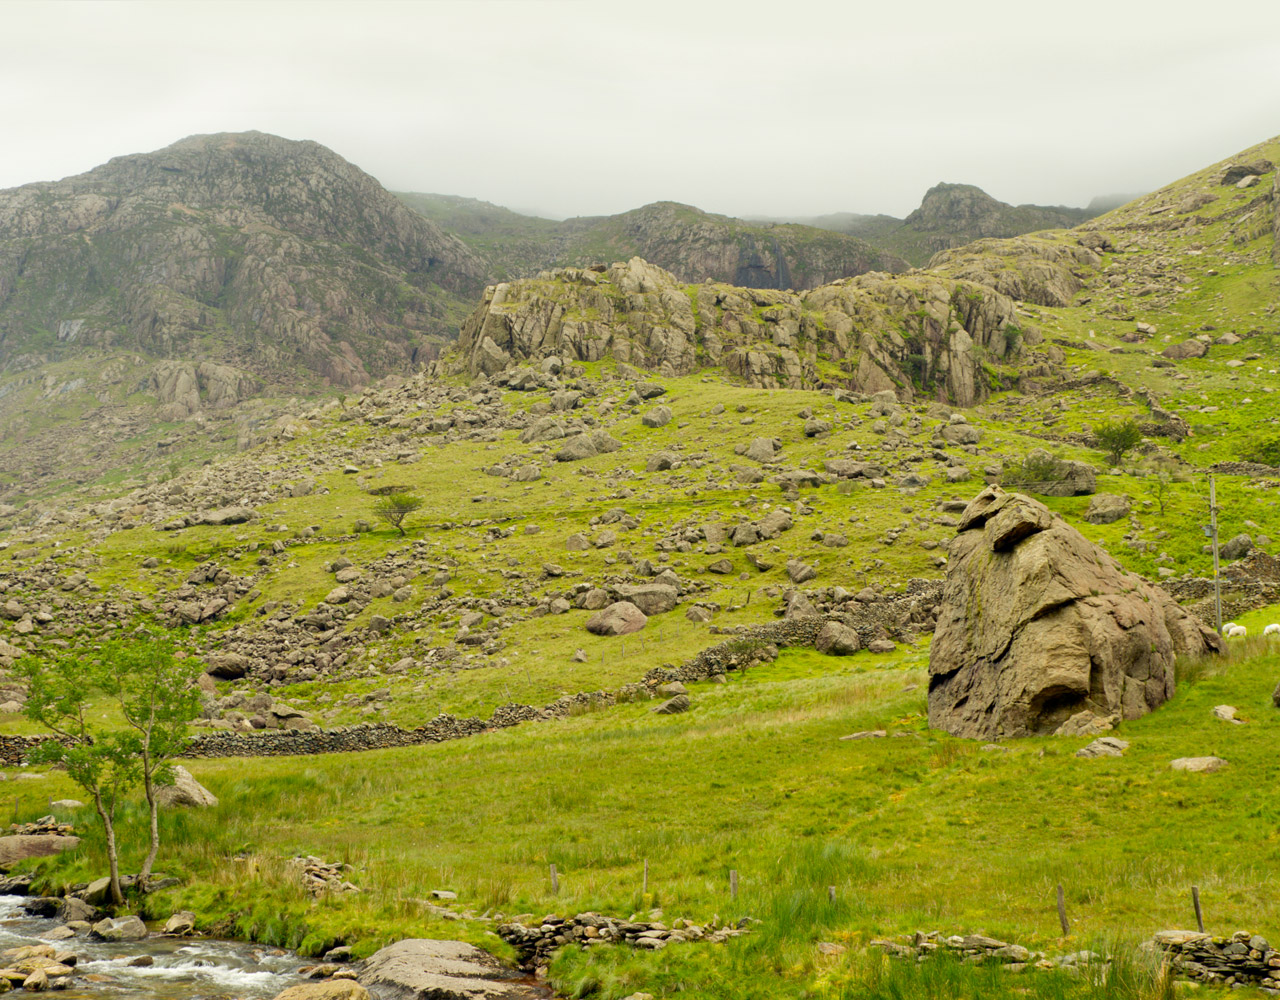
point(918, 831)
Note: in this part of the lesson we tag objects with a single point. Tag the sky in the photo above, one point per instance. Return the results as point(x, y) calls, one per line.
point(590, 107)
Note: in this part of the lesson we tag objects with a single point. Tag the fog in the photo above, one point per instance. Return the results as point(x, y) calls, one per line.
point(582, 108)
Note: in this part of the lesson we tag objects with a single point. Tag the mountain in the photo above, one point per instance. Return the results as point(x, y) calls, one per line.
point(277, 257)
point(691, 244)
point(951, 215)
point(162, 295)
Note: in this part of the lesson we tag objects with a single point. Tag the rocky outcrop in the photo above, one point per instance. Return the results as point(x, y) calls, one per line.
point(1041, 269)
point(1037, 624)
point(185, 388)
point(912, 335)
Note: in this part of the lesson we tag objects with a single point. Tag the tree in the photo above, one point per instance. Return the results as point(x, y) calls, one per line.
point(1118, 436)
point(104, 764)
point(157, 697)
point(395, 507)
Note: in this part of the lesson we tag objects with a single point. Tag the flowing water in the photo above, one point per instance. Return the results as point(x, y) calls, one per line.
point(183, 969)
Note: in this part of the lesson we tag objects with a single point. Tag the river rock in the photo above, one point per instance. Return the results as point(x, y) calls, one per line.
point(21, 847)
point(181, 924)
point(422, 969)
point(1038, 624)
point(185, 791)
point(620, 618)
point(119, 929)
point(332, 989)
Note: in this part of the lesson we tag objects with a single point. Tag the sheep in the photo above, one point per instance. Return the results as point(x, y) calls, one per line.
point(1271, 630)
point(1235, 632)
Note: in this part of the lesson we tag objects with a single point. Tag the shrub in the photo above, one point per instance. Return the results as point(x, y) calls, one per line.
point(1116, 437)
point(395, 507)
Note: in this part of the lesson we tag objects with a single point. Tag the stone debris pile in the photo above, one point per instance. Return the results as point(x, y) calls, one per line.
point(319, 877)
point(536, 942)
point(976, 948)
point(1243, 959)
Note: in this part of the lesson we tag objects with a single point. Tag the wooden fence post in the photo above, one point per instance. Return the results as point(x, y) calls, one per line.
point(555, 882)
point(1062, 912)
point(1195, 900)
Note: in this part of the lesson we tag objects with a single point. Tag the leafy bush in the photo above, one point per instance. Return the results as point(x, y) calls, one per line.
point(1116, 437)
point(395, 508)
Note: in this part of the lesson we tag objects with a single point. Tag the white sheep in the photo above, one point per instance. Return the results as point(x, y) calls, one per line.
point(1271, 630)
point(1235, 632)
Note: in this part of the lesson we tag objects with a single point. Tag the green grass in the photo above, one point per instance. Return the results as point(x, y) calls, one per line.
point(917, 832)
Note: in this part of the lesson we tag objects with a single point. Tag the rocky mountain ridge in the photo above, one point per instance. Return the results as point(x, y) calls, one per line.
point(692, 244)
point(951, 215)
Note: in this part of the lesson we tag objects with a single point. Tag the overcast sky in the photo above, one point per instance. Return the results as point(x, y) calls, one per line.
point(581, 107)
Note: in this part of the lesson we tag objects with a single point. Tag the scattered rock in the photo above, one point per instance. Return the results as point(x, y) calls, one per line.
point(1104, 746)
point(837, 640)
point(1105, 508)
point(673, 706)
point(1205, 765)
point(185, 791)
point(620, 618)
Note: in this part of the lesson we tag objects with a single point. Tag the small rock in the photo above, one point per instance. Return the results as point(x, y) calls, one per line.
point(1206, 765)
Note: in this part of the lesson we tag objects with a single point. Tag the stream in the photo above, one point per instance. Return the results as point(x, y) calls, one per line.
point(183, 969)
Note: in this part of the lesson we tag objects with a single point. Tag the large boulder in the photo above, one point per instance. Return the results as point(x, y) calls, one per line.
point(422, 969)
point(651, 598)
point(1039, 624)
point(185, 791)
point(22, 847)
point(1105, 508)
point(836, 639)
point(620, 618)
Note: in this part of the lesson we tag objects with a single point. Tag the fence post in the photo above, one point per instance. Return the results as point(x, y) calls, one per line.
point(1195, 900)
point(1062, 912)
point(733, 883)
point(555, 882)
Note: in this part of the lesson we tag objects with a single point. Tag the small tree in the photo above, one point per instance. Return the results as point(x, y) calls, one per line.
point(104, 764)
point(395, 507)
point(1117, 437)
point(158, 696)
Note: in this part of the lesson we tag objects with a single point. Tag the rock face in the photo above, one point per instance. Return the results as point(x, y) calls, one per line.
point(908, 334)
point(1038, 625)
point(422, 969)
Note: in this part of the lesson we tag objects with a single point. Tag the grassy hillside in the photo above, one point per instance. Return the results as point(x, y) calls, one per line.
point(474, 610)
